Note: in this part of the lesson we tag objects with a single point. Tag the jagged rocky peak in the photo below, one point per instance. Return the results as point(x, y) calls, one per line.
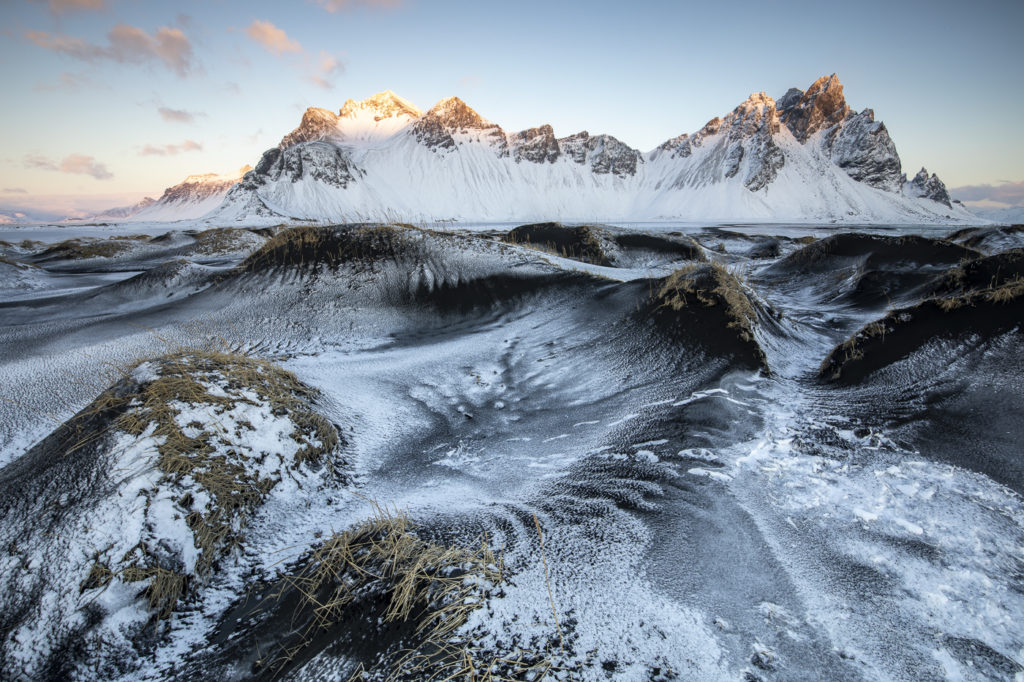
point(929, 186)
point(537, 145)
point(603, 153)
point(821, 106)
point(316, 124)
point(757, 113)
point(381, 105)
point(455, 114)
point(450, 116)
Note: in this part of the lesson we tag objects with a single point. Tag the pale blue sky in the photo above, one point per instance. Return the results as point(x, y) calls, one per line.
point(88, 78)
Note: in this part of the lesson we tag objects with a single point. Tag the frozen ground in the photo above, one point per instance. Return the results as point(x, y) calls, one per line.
point(705, 514)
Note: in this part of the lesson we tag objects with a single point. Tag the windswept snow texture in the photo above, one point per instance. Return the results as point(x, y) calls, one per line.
point(808, 158)
point(712, 508)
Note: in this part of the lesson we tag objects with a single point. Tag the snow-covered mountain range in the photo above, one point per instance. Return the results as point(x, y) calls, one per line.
point(806, 157)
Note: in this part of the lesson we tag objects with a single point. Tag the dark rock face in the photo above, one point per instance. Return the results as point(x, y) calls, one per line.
point(822, 106)
point(769, 159)
point(743, 143)
point(929, 186)
point(604, 153)
point(320, 161)
point(316, 124)
point(862, 147)
point(452, 115)
point(855, 142)
point(789, 101)
point(537, 145)
point(677, 147)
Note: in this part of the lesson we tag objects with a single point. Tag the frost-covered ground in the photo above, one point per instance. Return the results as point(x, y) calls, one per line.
point(705, 514)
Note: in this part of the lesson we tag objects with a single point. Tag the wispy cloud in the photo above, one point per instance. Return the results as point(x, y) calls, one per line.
point(273, 39)
point(321, 69)
point(344, 5)
point(70, 82)
point(170, 115)
point(1009, 193)
point(13, 190)
point(327, 67)
point(62, 6)
point(127, 45)
point(171, 149)
point(75, 163)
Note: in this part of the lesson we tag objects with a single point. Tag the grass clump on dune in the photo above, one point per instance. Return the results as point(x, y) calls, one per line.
point(215, 467)
point(80, 248)
point(709, 286)
point(218, 240)
point(982, 310)
point(311, 246)
point(578, 243)
point(223, 381)
point(380, 573)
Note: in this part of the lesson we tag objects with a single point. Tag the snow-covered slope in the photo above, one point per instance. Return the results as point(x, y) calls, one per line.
point(806, 158)
point(192, 198)
point(124, 212)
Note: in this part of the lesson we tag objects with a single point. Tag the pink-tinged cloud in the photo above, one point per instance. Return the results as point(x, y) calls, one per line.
point(14, 190)
point(171, 149)
point(177, 115)
point(75, 163)
point(344, 5)
point(62, 6)
point(327, 67)
point(273, 39)
point(127, 45)
point(1009, 193)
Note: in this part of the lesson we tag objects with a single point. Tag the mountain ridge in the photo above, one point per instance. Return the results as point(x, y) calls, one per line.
point(806, 157)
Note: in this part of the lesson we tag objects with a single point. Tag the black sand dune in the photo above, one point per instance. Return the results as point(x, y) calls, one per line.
point(449, 456)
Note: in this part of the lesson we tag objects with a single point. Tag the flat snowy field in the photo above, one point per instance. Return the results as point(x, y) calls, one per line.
point(712, 504)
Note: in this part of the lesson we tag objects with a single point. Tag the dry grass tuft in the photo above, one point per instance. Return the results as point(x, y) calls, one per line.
point(21, 265)
point(165, 587)
point(432, 587)
point(1004, 292)
point(100, 575)
point(708, 286)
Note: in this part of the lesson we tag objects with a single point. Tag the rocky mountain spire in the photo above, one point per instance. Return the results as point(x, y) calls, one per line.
point(452, 115)
point(822, 106)
point(316, 124)
point(535, 144)
point(929, 186)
